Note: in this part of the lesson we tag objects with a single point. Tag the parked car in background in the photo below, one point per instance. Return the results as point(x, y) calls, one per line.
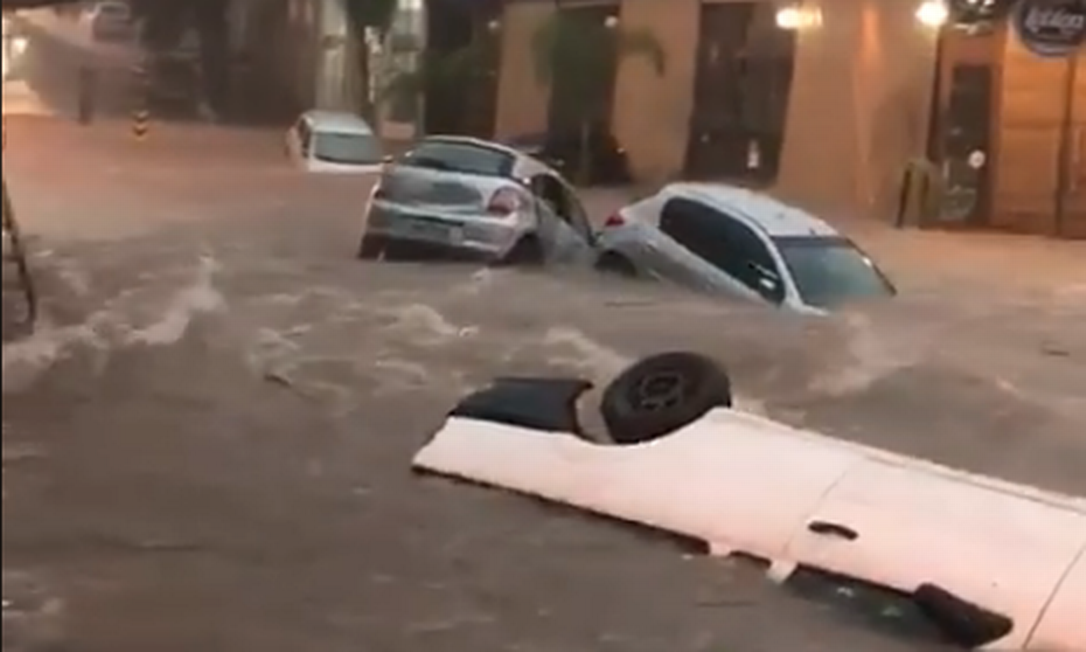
point(334, 141)
point(468, 196)
point(109, 21)
point(722, 238)
point(607, 161)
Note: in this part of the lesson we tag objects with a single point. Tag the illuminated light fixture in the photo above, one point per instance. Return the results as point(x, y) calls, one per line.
point(611, 22)
point(933, 13)
point(797, 17)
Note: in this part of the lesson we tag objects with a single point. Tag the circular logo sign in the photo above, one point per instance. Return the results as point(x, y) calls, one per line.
point(1051, 28)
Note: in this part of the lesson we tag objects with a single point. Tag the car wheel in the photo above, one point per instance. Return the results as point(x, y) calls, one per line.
point(371, 247)
point(661, 394)
point(527, 252)
point(612, 263)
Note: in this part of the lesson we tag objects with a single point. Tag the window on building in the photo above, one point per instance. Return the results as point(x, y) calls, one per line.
point(742, 87)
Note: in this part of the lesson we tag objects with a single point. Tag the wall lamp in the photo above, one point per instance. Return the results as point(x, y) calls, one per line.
point(796, 16)
point(933, 13)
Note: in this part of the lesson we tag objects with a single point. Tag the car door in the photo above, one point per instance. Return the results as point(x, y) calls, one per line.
point(903, 525)
point(563, 227)
point(720, 252)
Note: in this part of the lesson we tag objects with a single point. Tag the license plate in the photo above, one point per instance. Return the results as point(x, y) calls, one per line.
point(432, 231)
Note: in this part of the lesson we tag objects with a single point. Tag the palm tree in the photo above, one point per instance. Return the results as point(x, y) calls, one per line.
point(584, 54)
point(435, 73)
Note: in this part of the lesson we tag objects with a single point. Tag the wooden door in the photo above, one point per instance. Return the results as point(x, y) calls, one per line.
point(1073, 224)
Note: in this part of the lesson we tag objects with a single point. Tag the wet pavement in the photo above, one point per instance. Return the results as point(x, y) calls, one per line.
point(206, 441)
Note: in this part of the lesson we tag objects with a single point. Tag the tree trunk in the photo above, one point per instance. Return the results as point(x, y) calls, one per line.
point(583, 176)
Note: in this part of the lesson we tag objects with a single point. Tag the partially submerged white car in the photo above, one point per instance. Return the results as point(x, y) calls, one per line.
point(992, 564)
point(333, 142)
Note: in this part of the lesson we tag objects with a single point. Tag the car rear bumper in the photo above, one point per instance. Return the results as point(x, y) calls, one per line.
point(487, 239)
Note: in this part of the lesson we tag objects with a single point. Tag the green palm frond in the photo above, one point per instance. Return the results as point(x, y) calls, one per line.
point(641, 43)
point(571, 46)
point(435, 70)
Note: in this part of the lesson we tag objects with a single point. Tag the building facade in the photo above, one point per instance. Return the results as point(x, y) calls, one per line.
point(826, 101)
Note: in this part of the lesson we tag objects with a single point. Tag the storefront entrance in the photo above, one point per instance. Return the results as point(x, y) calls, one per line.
point(1009, 124)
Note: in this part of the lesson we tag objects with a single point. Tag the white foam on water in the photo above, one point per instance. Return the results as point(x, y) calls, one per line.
point(199, 297)
point(571, 347)
point(424, 325)
point(26, 359)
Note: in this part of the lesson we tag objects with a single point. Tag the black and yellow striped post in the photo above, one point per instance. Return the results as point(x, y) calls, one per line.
point(141, 115)
point(141, 119)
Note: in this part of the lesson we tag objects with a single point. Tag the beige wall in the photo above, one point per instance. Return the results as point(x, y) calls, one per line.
point(859, 105)
point(859, 101)
point(652, 111)
point(522, 100)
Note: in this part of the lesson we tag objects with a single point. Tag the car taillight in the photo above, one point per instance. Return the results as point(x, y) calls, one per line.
point(504, 202)
point(615, 219)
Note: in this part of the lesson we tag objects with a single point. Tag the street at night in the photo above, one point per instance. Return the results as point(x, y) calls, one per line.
point(208, 434)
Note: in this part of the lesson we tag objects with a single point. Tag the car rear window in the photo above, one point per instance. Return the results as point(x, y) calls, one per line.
point(464, 158)
point(347, 148)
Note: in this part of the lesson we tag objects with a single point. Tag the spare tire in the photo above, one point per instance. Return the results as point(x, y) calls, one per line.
point(662, 393)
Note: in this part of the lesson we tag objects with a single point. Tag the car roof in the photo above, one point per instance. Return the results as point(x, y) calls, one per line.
point(774, 218)
point(337, 121)
point(523, 164)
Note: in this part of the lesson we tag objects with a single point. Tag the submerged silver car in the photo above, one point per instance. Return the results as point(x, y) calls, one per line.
point(721, 238)
point(468, 196)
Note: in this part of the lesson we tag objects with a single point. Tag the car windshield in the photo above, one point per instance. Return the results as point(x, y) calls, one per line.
point(459, 157)
point(351, 149)
point(831, 271)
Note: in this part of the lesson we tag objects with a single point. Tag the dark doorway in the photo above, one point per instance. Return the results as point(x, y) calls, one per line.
point(469, 106)
point(965, 147)
point(741, 89)
point(563, 110)
point(963, 112)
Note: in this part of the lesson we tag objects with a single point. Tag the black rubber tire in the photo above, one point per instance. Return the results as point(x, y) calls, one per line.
point(962, 623)
point(610, 262)
point(527, 252)
point(371, 247)
point(662, 393)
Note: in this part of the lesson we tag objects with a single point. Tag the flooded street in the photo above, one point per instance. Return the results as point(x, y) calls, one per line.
point(207, 438)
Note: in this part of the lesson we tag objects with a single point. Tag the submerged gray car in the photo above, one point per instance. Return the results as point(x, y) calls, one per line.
point(468, 196)
point(721, 238)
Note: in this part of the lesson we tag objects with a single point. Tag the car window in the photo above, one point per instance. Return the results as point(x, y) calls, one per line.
point(465, 158)
point(831, 271)
point(347, 148)
point(724, 242)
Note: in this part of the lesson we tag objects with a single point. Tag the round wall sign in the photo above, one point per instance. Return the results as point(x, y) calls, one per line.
point(1051, 28)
